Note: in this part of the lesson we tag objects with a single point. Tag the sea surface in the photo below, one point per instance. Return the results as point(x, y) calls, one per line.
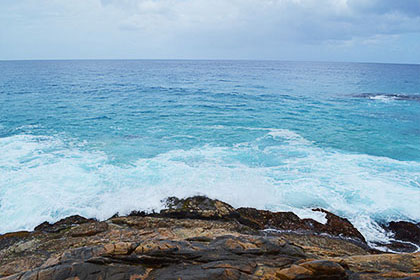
point(99, 137)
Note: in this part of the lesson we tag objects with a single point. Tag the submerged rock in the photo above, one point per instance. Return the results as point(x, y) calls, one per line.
point(198, 238)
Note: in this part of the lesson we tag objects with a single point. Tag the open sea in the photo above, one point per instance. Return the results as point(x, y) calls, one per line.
point(99, 137)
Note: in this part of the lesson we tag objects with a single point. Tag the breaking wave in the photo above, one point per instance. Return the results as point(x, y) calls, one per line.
point(389, 96)
point(45, 178)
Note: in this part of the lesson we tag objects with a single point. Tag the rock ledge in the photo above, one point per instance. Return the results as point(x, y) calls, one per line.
point(201, 238)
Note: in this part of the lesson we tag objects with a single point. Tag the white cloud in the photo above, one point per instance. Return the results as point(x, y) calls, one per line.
point(298, 20)
point(204, 28)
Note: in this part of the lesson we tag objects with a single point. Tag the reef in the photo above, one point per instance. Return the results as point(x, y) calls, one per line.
point(203, 238)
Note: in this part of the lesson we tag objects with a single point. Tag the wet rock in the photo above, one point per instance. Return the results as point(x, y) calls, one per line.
point(288, 221)
point(338, 226)
point(398, 246)
point(405, 231)
point(199, 207)
point(261, 219)
point(406, 237)
point(197, 238)
point(62, 224)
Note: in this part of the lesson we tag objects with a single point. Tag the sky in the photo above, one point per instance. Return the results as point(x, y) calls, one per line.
point(309, 30)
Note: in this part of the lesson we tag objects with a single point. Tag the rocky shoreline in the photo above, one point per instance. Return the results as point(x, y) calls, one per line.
point(202, 238)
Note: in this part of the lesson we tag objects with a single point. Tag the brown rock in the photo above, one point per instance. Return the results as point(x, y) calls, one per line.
point(88, 229)
point(288, 221)
point(318, 269)
point(338, 226)
point(405, 231)
point(382, 263)
point(119, 248)
point(261, 219)
point(398, 246)
point(199, 207)
point(197, 238)
point(324, 267)
point(62, 224)
point(295, 272)
point(8, 239)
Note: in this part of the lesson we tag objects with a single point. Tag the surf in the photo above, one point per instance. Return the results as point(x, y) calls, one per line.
point(279, 171)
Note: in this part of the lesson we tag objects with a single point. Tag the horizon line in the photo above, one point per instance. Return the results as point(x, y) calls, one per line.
point(203, 59)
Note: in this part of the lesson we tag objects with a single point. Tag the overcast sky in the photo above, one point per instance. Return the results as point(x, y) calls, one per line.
point(319, 30)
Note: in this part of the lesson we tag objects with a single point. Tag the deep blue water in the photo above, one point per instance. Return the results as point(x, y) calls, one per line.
point(98, 137)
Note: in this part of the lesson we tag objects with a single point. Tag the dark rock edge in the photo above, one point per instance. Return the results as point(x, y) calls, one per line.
point(250, 221)
point(202, 207)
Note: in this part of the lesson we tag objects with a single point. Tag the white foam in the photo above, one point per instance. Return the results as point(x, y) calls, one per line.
point(307, 213)
point(45, 178)
point(383, 98)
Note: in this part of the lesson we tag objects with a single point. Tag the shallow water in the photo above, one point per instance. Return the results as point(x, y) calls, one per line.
point(99, 137)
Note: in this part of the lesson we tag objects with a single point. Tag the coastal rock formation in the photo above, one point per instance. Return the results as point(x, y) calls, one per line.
point(405, 236)
point(405, 231)
point(199, 207)
point(335, 226)
point(199, 238)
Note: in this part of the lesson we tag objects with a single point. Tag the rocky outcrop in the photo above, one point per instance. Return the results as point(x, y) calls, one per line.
point(405, 231)
point(199, 238)
point(335, 226)
point(62, 224)
point(198, 207)
point(405, 236)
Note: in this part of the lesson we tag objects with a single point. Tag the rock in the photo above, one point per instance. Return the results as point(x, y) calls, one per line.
point(198, 207)
point(335, 226)
point(327, 246)
point(338, 226)
point(324, 267)
point(406, 237)
point(8, 239)
point(261, 219)
point(398, 246)
point(317, 269)
point(382, 266)
point(62, 224)
point(119, 248)
point(197, 238)
point(88, 229)
point(405, 231)
point(201, 207)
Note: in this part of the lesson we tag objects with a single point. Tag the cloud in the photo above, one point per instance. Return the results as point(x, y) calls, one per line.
point(303, 21)
point(409, 8)
point(209, 28)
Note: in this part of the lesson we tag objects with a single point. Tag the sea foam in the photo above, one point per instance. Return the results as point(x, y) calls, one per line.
point(45, 178)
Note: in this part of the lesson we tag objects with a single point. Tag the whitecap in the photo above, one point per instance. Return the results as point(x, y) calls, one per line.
point(384, 98)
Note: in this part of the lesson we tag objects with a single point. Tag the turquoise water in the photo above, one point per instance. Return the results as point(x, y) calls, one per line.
point(99, 137)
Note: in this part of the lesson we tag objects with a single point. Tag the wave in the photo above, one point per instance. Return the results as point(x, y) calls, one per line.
point(48, 178)
point(389, 96)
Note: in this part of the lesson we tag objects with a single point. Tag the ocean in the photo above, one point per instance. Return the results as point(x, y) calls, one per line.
point(97, 137)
